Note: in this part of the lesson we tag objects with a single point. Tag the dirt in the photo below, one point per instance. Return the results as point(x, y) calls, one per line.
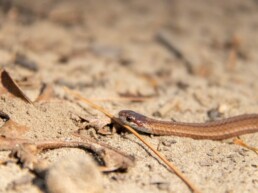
point(186, 61)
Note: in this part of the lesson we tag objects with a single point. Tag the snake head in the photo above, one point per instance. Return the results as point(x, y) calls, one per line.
point(132, 118)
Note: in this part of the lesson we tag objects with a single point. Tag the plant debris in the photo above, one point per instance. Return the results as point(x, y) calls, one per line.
point(8, 85)
point(25, 150)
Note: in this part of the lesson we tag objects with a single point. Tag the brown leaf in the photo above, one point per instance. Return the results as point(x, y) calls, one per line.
point(12, 129)
point(113, 159)
point(46, 93)
point(10, 86)
point(26, 153)
point(100, 125)
point(4, 116)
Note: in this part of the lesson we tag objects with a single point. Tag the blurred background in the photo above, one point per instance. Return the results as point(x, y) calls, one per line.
point(133, 48)
point(138, 48)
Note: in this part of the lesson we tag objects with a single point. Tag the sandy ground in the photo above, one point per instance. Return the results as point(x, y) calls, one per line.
point(106, 50)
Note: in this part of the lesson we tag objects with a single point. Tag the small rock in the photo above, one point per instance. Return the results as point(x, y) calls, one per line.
point(214, 114)
point(74, 174)
point(161, 183)
point(169, 143)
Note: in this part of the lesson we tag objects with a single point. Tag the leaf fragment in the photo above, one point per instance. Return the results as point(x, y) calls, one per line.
point(8, 85)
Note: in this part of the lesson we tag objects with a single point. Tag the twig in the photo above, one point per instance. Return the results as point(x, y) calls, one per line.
point(243, 144)
point(169, 164)
point(126, 99)
point(120, 161)
point(164, 39)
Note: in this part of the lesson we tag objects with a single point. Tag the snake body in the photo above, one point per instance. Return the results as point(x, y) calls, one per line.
point(215, 130)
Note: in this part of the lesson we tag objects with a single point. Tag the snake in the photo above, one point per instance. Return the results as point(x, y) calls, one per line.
point(214, 130)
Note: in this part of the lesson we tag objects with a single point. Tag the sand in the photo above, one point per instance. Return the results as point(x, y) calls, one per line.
point(108, 50)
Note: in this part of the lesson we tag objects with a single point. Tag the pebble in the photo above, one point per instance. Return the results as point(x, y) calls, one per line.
point(77, 174)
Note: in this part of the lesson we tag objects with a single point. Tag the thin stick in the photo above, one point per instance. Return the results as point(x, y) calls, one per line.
point(134, 99)
point(169, 164)
point(243, 144)
point(165, 40)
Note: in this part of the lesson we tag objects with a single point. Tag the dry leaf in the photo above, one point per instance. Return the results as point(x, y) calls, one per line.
point(46, 93)
point(26, 153)
point(10, 86)
point(113, 159)
point(12, 129)
point(4, 116)
point(100, 125)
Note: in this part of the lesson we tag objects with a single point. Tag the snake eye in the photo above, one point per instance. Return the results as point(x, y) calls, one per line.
point(129, 119)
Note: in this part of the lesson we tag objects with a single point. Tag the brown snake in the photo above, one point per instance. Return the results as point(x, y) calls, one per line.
point(215, 130)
